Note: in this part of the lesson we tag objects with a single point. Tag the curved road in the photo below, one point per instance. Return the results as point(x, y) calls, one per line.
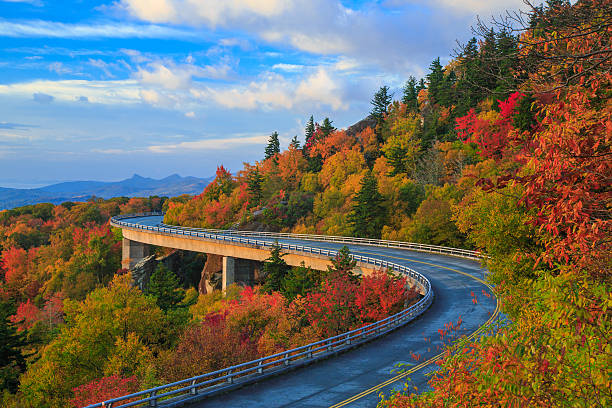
point(356, 378)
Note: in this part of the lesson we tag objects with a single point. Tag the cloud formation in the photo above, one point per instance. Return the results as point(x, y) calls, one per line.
point(51, 29)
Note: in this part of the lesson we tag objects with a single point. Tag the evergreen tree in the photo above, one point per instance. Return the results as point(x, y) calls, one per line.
point(380, 103)
point(254, 182)
point(409, 97)
point(368, 214)
point(295, 143)
point(12, 361)
point(437, 84)
point(343, 263)
point(275, 269)
point(310, 129)
point(300, 281)
point(326, 127)
point(273, 146)
point(421, 85)
point(164, 287)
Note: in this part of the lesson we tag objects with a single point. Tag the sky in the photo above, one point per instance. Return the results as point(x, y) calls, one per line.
point(102, 90)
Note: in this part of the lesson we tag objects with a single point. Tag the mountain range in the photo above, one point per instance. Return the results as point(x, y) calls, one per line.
point(136, 186)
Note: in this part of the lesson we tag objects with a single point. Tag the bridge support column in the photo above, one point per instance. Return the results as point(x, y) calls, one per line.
point(238, 270)
point(229, 271)
point(132, 252)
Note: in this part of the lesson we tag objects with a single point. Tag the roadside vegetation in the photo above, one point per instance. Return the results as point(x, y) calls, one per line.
point(506, 150)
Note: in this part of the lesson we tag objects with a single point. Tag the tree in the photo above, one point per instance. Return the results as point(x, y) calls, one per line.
point(380, 103)
point(368, 215)
point(310, 129)
point(12, 360)
point(164, 287)
point(326, 127)
point(275, 268)
point(295, 143)
point(343, 263)
point(436, 83)
point(254, 182)
point(410, 93)
point(273, 146)
point(300, 281)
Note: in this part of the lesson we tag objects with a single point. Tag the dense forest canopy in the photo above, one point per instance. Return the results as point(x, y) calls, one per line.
point(505, 149)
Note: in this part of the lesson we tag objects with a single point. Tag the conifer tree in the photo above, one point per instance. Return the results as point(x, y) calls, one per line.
point(275, 269)
point(295, 143)
point(254, 181)
point(343, 263)
point(409, 97)
point(368, 214)
point(310, 129)
point(326, 127)
point(164, 287)
point(12, 361)
point(273, 146)
point(435, 78)
point(380, 102)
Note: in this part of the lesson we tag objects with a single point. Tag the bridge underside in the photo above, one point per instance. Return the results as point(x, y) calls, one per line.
point(238, 265)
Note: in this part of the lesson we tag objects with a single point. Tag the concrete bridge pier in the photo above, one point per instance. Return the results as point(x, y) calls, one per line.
point(238, 270)
point(132, 252)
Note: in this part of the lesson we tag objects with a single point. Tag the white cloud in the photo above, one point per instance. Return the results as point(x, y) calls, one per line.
point(190, 114)
point(59, 68)
point(37, 3)
point(172, 77)
point(273, 91)
point(39, 28)
point(288, 67)
point(210, 144)
point(480, 6)
point(106, 92)
point(210, 12)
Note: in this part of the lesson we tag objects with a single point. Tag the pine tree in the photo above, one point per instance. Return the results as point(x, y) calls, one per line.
point(380, 103)
point(12, 360)
point(310, 129)
point(368, 214)
point(435, 78)
point(409, 97)
point(343, 263)
point(326, 127)
point(275, 269)
point(273, 146)
point(295, 143)
point(299, 281)
point(164, 287)
point(254, 182)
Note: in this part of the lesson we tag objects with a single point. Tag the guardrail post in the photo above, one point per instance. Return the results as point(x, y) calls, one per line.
point(230, 379)
point(109, 405)
point(329, 346)
point(286, 359)
point(194, 389)
point(259, 368)
point(153, 402)
point(309, 351)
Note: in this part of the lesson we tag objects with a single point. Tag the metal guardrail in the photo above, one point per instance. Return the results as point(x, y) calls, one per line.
point(206, 384)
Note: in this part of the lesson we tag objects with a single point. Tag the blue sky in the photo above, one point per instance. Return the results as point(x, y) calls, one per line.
point(105, 89)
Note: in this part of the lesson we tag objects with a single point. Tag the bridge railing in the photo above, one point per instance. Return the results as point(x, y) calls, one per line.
point(459, 252)
point(251, 371)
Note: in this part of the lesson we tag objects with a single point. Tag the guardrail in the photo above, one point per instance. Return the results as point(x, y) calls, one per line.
point(180, 392)
point(459, 252)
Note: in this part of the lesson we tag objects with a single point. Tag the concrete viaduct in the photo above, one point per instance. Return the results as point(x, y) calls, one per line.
point(352, 379)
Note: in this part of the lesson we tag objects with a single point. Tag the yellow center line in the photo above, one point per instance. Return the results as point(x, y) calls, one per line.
point(434, 358)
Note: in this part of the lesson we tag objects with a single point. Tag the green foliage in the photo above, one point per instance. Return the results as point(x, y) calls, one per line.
point(343, 264)
point(273, 146)
point(299, 281)
point(326, 127)
point(254, 184)
point(12, 360)
point(410, 93)
point(164, 287)
point(380, 103)
point(368, 214)
point(274, 269)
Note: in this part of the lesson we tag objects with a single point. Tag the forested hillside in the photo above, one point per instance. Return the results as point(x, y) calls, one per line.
point(505, 149)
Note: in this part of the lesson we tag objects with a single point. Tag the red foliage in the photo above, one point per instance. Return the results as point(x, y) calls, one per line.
point(380, 296)
point(103, 389)
point(27, 314)
point(14, 263)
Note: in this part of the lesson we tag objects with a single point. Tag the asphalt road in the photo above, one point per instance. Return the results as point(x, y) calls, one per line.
point(357, 377)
